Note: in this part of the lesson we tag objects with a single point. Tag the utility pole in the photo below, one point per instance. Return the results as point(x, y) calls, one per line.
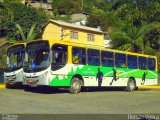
point(82, 5)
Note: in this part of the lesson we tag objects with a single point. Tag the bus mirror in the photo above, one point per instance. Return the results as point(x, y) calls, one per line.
point(26, 58)
point(7, 60)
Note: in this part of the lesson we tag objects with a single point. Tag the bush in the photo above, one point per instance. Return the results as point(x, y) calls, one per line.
point(25, 16)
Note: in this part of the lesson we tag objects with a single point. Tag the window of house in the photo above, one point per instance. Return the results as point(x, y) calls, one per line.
point(107, 58)
point(132, 61)
point(93, 57)
point(120, 60)
point(90, 37)
point(142, 63)
point(74, 35)
point(78, 55)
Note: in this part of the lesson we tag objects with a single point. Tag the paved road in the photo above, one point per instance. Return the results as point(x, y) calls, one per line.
point(91, 102)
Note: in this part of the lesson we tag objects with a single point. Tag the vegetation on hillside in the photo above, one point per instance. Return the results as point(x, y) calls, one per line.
point(133, 25)
point(16, 13)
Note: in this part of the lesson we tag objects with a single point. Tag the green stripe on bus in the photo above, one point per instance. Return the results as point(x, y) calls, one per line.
point(87, 70)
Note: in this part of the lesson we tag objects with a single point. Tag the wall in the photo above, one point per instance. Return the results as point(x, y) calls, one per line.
point(51, 32)
point(55, 32)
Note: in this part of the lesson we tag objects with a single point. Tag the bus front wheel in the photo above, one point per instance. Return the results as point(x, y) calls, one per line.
point(75, 85)
point(131, 85)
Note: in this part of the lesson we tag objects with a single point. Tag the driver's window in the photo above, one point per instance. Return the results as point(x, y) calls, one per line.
point(13, 60)
point(59, 56)
point(20, 58)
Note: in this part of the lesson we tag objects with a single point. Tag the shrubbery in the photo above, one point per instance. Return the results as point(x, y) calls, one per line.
point(26, 16)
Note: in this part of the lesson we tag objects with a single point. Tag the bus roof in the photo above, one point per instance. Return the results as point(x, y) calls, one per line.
point(94, 47)
point(16, 44)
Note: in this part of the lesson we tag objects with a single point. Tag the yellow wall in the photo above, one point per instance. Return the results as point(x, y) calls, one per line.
point(53, 32)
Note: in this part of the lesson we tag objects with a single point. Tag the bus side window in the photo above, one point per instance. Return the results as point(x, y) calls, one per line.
point(93, 57)
point(151, 64)
point(120, 60)
point(78, 55)
point(132, 61)
point(59, 56)
point(107, 58)
point(142, 63)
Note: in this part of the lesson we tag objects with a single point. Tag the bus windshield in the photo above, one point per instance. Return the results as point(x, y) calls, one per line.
point(16, 57)
point(38, 57)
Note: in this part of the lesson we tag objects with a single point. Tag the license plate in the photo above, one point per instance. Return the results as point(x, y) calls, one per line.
point(30, 81)
point(10, 79)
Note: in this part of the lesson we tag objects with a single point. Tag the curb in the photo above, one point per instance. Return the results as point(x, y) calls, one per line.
point(149, 87)
point(2, 86)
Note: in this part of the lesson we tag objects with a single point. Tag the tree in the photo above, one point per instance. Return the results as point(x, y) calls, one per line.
point(30, 36)
point(140, 19)
point(66, 7)
point(25, 16)
point(3, 57)
point(132, 38)
point(98, 19)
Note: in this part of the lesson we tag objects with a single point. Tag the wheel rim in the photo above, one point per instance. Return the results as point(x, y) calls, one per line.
point(132, 85)
point(76, 86)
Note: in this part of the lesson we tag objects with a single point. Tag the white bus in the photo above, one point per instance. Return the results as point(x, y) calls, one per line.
point(59, 63)
point(15, 59)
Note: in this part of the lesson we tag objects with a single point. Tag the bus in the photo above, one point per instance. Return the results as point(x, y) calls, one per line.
point(67, 64)
point(15, 59)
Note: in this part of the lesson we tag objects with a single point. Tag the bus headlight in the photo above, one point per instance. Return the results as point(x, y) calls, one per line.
point(44, 74)
point(20, 73)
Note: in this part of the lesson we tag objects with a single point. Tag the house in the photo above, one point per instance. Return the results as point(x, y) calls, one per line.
point(36, 4)
point(58, 30)
point(79, 19)
point(107, 43)
point(107, 40)
point(46, 6)
point(28, 1)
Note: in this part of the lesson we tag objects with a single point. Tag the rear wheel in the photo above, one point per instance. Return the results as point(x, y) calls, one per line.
point(76, 84)
point(131, 86)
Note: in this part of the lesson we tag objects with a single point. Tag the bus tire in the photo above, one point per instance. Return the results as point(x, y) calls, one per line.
point(9, 86)
point(131, 85)
point(27, 88)
point(76, 84)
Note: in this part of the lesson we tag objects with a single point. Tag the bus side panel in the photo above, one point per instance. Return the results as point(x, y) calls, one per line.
point(91, 76)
